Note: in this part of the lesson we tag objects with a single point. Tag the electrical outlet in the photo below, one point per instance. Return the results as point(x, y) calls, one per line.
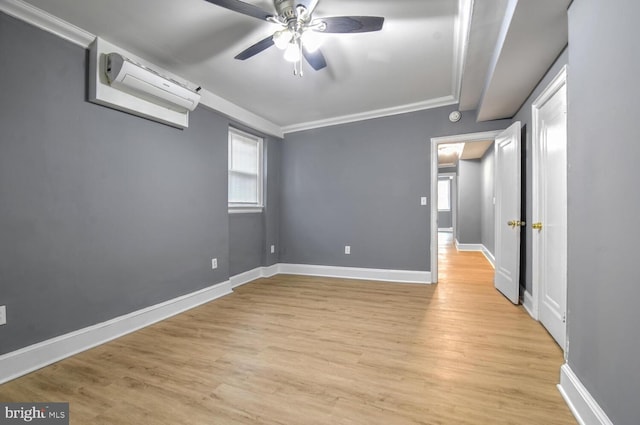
point(423, 200)
point(3, 314)
point(347, 249)
point(214, 263)
point(273, 249)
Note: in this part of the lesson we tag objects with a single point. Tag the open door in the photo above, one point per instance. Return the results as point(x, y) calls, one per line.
point(550, 207)
point(508, 222)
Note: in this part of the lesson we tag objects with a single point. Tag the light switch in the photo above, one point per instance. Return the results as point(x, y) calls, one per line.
point(423, 200)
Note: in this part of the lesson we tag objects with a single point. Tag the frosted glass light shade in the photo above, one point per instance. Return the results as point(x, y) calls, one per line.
point(311, 40)
point(282, 38)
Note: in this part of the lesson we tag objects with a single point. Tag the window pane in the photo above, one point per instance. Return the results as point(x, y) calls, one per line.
point(243, 188)
point(444, 195)
point(245, 169)
point(244, 156)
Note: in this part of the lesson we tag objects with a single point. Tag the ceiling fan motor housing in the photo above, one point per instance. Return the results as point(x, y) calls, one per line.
point(286, 9)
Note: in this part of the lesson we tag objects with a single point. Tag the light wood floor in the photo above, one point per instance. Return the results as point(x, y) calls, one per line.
point(299, 350)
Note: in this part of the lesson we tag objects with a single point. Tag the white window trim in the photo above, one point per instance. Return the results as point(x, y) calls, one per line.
point(245, 210)
point(237, 207)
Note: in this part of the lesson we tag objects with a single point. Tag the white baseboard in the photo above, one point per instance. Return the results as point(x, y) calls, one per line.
point(246, 277)
point(477, 247)
point(402, 276)
point(469, 246)
point(583, 406)
point(251, 275)
point(270, 271)
point(36, 356)
point(489, 256)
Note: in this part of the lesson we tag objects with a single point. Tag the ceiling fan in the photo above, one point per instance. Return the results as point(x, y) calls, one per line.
point(297, 36)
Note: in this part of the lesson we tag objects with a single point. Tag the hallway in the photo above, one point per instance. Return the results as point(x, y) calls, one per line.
point(462, 267)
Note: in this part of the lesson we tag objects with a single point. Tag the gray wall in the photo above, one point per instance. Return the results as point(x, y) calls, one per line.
point(360, 184)
point(445, 219)
point(101, 213)
point(524, 116)
point(469, 214)
point(246, 242)
point(603, 290)
point(252, 234)
point(487, 216)
point(271, 216)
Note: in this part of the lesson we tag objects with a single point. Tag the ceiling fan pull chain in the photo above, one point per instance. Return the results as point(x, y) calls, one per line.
point(300, 60)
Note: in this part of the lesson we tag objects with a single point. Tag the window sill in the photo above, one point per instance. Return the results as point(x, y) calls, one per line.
point(245, 210)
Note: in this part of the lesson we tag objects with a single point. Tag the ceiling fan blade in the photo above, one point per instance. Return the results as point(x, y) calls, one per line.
point(256, 48)
point(242, 7)
point(316, 59)
point(351, 24)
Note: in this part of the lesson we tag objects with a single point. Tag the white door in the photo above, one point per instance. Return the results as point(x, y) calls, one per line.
point(549, 264)
point(508, 222)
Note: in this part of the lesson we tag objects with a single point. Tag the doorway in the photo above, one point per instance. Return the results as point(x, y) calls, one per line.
point(435, 143)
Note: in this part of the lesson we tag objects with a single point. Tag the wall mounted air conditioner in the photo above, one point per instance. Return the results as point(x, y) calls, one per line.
point(120, 80)
point(127, 75)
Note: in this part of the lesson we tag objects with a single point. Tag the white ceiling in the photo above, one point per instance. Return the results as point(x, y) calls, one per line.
point(415, 62)
point(468, 150)
point(475, 150)
point(532, 35)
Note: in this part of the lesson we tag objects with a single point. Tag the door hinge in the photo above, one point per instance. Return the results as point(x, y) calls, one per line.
point(564, 317)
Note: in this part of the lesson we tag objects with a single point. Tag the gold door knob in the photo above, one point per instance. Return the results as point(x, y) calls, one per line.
point(515, 223)
point(537, 226)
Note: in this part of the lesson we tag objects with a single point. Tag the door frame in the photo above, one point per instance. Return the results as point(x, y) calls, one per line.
point(556, 84)
point(435, 141)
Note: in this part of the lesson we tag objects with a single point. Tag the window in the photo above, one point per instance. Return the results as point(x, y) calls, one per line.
point(444, 195)
point(245, 171)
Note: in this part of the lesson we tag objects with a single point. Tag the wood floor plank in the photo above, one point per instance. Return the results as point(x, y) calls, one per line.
point(309, 350)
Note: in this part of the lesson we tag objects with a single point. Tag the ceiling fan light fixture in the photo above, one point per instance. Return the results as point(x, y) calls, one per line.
point(282, 38)
point(311, 40)
point(292, 53)
point(298, 29)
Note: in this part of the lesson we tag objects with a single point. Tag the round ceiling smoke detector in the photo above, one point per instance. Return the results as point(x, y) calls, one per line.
point(455, 116)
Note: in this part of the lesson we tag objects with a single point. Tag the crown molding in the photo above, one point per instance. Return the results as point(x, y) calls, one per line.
point(460, 46)
point(65, 30)
point(378, 113)
point(239, 114)
point(43, 20)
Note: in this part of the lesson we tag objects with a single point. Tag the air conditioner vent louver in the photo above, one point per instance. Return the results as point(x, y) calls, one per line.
point(141, 81)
